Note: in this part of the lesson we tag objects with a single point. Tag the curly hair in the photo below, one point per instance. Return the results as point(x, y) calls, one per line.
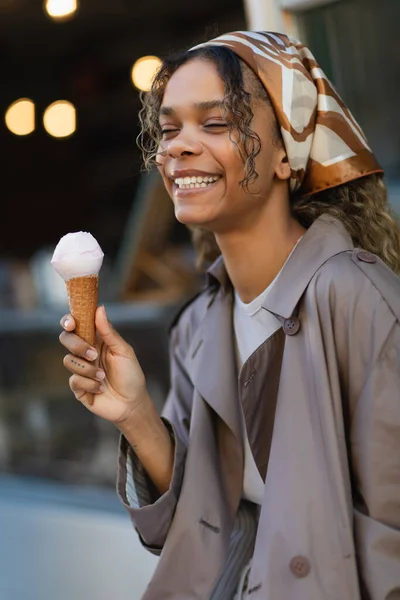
point(361, 205)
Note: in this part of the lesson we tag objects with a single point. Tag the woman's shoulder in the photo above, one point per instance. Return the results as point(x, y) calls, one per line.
point(361, 277)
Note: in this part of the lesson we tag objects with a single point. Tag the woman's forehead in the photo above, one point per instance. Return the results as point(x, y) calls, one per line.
point(195, 82)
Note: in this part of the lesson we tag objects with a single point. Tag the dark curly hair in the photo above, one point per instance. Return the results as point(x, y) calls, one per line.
point(361, 205)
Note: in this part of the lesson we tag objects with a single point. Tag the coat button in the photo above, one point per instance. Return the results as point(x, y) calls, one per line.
point(300, 566)
point(365, 256)
point(291, 326)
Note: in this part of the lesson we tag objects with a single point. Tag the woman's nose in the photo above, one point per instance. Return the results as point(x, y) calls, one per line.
point(183, 145)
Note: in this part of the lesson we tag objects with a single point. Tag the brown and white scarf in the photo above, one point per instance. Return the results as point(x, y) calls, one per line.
point(324, 143)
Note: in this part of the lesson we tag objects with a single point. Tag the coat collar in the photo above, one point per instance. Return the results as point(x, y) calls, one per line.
point(326, 237)
point(211, 363)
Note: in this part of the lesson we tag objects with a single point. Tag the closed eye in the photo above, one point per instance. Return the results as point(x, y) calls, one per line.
point(211, 125)
point(220, 125)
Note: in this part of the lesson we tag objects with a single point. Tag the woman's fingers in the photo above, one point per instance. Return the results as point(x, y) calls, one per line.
point(112, 339)
point(74, 343)
point(77, 346)
point(67, 322)
point(82, 385)
point(78, 365)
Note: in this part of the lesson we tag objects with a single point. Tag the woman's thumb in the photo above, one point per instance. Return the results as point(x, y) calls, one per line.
point(107, 332)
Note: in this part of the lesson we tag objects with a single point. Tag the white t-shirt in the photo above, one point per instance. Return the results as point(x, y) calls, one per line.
point(252, 326)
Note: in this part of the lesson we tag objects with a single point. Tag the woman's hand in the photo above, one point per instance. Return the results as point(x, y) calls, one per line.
point(107, 379)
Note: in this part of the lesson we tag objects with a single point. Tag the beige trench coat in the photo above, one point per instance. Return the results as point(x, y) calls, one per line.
point(329, 527)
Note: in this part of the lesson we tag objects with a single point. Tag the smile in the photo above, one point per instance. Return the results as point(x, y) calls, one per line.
point(190, 183)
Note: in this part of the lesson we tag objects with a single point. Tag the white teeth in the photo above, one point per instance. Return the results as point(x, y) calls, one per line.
point(195, 182)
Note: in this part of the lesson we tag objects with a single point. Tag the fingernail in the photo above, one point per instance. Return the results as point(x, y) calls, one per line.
point(102, 388)
point(91, 354)
point(66, 323)
point(100, 375)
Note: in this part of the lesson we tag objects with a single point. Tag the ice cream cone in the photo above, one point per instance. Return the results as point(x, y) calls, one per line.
point(78, 259)
point(83, 299)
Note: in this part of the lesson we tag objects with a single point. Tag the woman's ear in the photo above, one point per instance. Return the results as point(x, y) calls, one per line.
point(282, 168)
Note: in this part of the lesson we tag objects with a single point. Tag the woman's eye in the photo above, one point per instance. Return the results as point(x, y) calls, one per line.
point(214, 125)
point(167, 131)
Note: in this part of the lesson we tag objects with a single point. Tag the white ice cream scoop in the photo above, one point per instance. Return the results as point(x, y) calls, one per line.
point(77, 255)
point(78, 259)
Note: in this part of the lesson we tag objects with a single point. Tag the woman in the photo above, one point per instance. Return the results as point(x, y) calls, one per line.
point(275, 471)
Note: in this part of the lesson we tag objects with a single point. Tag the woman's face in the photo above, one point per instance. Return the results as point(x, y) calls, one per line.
point(200, 165)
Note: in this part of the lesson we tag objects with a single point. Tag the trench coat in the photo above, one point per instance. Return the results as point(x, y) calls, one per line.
point(321, 402)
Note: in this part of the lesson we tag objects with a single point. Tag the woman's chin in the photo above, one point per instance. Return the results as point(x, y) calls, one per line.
point(190, 217)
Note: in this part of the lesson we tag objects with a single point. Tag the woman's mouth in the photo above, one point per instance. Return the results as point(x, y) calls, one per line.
point(196, 182)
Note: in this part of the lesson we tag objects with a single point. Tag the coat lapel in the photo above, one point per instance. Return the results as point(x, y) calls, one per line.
point(211, 362)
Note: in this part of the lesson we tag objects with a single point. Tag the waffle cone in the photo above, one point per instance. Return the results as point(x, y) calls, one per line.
point(83, 297)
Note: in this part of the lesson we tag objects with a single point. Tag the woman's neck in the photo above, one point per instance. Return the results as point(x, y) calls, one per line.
point(254, 256)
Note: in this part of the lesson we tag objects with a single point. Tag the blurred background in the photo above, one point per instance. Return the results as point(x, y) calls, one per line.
point(69, 101)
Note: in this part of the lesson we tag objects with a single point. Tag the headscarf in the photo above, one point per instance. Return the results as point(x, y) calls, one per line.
point(325, 145)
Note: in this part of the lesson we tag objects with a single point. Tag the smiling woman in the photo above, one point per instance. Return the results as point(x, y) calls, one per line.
point(275, 464)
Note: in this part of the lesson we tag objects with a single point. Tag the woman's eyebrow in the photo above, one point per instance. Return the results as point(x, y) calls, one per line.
point(168, 111)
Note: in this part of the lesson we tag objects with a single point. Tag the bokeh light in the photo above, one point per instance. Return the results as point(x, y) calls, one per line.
point(143, 72)
point(61, 9)
point(59, 119)
point(20, 117)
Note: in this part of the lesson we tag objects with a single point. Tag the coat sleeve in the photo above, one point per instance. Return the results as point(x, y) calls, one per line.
point(150, 512)
point(375, 454)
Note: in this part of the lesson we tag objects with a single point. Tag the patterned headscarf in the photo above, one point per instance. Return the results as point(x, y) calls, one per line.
point(325, 145)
